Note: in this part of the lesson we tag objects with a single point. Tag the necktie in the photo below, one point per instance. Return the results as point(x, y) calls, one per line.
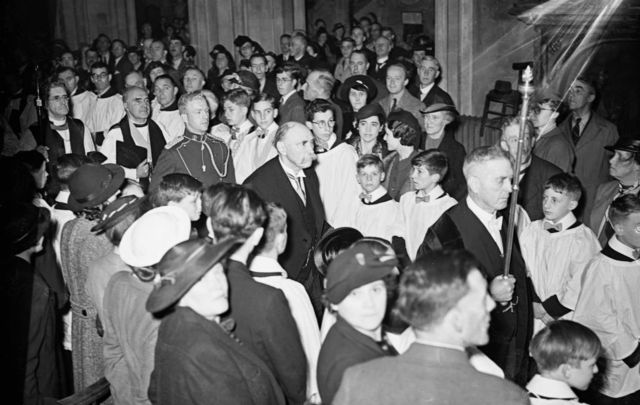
point(575, 131)
point(299, 189)
point(421, 199)
point(552, 228)
point(366, 198)
point(62, 127)
point(394, 102)
point(379, 66)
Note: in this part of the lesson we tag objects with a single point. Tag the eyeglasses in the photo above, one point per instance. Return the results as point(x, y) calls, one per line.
point(537, 110)
point(283, 79)
point(59, 98)
point(100, 76)
point(326, 124)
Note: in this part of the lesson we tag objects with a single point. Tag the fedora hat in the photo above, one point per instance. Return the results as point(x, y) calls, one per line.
point(181, 267)
point(116, 212)
point(92, 184)
point(149, 238)
point(361, 80)
point(625, 144)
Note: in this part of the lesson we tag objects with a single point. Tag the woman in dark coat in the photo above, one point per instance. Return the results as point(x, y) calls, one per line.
point(197, 360)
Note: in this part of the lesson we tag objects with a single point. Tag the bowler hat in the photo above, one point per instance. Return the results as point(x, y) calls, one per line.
point(181, 267)
point(405, 117)
point(625, 144)
point(149, 238)
point(92, 184)
point(361, 80)
point(116, 212)
point(355, 267)
point(439, 107)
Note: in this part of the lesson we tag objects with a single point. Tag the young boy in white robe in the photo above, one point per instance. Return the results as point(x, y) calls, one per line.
point(422, 208)
point(335, 167)
point(565, 353)
point(108, 109)
point(266, 269)
point(377, 214)
point(557, 248)
point(609, 303)
point(258, 145)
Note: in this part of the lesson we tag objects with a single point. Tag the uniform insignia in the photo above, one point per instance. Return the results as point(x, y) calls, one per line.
point(173, 143)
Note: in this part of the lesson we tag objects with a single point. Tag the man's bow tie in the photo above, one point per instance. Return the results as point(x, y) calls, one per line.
point(260, 132)
point(552, 228)
point(422, 199)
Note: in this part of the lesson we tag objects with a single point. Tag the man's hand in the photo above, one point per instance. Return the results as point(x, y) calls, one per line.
point(142, 170)
point(501, 288)
point(540, 313)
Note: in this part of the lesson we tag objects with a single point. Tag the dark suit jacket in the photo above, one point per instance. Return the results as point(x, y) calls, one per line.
point(460, 228)
point(272, 184)
point(435, 95)
point(532, 186)
point(121, 70)
point(454, 182)
point(292, 110)
point(270, 87)
point(265, 325)
point(381, 72)
point(425, 374)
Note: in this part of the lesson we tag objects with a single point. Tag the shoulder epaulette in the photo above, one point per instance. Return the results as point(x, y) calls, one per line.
point(173, 143)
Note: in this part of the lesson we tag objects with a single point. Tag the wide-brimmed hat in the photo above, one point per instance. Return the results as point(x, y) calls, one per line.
point(405, 117)
point(625, 144)
point(439, 107)
point(355, 267)
point(153, 234)
point(116, 212)
point(362, 80)
point(335, 240)
point(93, 184)
point(181, 267)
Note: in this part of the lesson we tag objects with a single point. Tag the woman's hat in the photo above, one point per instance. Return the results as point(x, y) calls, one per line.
point(361, 80)
point(405, 117)
point(625, 144)
point(439, 107)
point(116, 212)
point(22, 226)
point(153, 234)
point(181, 267)
point(355, 267)
point(370, 110)
point(335, 240)
point(92, 184)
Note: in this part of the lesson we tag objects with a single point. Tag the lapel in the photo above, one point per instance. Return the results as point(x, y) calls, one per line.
point(487, 252)
point(286, 187)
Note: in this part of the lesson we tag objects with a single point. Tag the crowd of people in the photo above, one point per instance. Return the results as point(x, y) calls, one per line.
point(305, 228)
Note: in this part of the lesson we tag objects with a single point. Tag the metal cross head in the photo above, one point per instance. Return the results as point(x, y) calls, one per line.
point(527, 75)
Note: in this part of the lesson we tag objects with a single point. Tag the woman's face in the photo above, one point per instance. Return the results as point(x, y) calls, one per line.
point(357, 99)
point(40, 176)
point(222, 63)
point(364, 307)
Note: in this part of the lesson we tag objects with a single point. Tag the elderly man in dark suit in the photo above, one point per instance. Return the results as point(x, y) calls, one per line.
point(444, 297)
point(475, 225)
point(426, 89)
point(534, 171)
point(290, 180)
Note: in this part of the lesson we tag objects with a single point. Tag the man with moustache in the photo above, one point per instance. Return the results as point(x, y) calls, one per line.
point(136, 142)
point(475, 224)
point(290, 180)
point(196, 153)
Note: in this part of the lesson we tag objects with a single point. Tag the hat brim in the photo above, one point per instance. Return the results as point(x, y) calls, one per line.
point(339, 291)
point(343, 91)
point(117, 178)
point(624, 148)
point(438, 107)
point(185, 274)
point(116, 218)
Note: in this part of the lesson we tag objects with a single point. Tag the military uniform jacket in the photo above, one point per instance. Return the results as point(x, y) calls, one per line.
point(203, 157)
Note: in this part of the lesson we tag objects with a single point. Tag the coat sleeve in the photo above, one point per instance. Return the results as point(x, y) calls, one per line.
point(115, 367)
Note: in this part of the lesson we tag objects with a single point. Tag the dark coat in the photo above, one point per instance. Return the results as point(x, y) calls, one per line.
point(454, 182)
point(305, 224)
point(460, 228)
point(425, 374)
point(270, 87)
point(265, 325)
point(55, 143)
point(120, 71)
point(342, 348)
point(379, 72)
point(197, 362)
point(434, 96)
point(532, 186)
point(557, 149)
point(292, 110)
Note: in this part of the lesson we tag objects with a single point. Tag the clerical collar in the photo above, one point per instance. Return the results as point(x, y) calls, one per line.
point(58, 122)
point(567, 221)
point(620, 247)
point(146, 123)
point(171, 107)
point(426, 89)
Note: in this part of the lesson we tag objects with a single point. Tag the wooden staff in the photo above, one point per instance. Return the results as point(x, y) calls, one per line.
point(526, 89)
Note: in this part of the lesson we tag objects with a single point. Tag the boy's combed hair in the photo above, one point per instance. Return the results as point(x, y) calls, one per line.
point(293, 69)
point(564, 342)
point(238, 97)
point(276, 225)
point(622, 207)
point(266, 97)
point(317, 106)
point(235, 211)
point(174, 187)
point(566, 184)
point(370, 160)
point(433, 160)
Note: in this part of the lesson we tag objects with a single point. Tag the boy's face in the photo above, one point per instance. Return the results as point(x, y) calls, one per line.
point(422, 179)
point(192, 205)
point(555, 205)
point(285, 83)
point(264, 114)
point(369, 178)
point(322, 124)
point(235, 114)
point(369, 128)
point(580, 377)
point(628, 230)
